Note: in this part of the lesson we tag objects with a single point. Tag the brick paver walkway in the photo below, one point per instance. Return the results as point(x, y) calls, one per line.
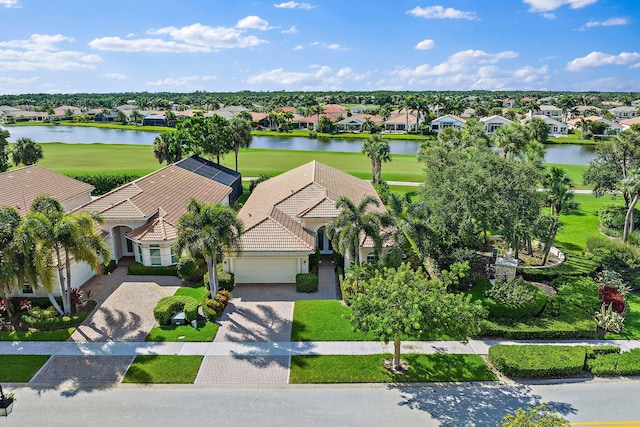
point(83, 370)
point(244, 370)
point(125, 306)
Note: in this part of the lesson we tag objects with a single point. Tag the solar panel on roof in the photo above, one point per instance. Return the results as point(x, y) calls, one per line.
point(215, 172)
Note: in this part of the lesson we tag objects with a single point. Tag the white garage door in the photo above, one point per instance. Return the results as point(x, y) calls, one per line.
point(266, 270)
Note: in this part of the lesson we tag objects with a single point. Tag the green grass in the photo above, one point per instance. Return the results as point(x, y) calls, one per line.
point(20, 368)
point(206, 332)
point(575, 172)
point(163, 369)
point(197, 291)
point(96, 125)
point(571, 139)
point(56, 335)
point(369, 369)
point(631, 330)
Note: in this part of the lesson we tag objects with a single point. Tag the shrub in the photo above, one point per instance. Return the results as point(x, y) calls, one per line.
point(109, 267)
point(226, 281)
point(615, 279)
point(613, 217)
point(224, 296)
point(614, 254)
point(539, 415)
point(627, 363)
point(212, 308)
point(612, 297)
point(536, 299)
point(576, 295)
point(538, 328)
point(514, 293)
point(47, 318)
point(608, 320)
point(105, 182)
point(137, 269)
point(537, 361)
point(168, 306)
point(42, 302)
point(306, 283)
point(187, 268)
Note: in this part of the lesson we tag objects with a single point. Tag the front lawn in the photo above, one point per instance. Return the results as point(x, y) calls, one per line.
point(206, 332)
point(369, 369)
point(631, 330)
point(163, 369)
point(20, 368)
point(197, 291)
point(56, 335)
point(324, 320)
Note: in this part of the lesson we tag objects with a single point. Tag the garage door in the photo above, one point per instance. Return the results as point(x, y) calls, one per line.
point(266, 270)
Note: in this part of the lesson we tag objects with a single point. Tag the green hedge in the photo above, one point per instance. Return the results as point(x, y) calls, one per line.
point(613, 217)
point(539, 328)
point(627, 364)
point(48, 318)
point(614, 253)
point(167, 306)
point(226, 281)
point(137, 269)
point(104, 182)
point(306, 283)
point(498, 310)
point(537, 361)
point(576, 296)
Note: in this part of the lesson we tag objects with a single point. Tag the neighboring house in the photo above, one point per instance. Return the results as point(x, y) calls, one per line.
point(140, 218)
point(468, 113)
point(585, 110)
point(285, 219)
point(623, 113)
point(626, 124)
point(20, 187)
point(353, 123)
point(492, 123)
point(635, 103)
point(550, 111)
point(508, 103)
point(575, 123)
point(447, 121)
point(61, 112)
point(21, 116)
point(555, 127)
point(154, 120)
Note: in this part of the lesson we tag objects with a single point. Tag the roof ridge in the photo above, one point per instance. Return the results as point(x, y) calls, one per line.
point(287, 229)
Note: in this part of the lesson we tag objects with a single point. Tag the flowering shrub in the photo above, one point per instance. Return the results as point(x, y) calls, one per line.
point(25, 304)
point(77, 295)
point(610, 295)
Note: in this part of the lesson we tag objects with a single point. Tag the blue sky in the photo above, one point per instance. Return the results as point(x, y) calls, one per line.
point(221, 45)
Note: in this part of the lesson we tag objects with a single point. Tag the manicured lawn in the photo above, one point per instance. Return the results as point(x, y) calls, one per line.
point(369, 369)
point(96, 125)
point(206, 332)
point(163, 369)
point(56, 335)
point(631, 329)
point(20, 368)
point(197, 291)
point(574, 171)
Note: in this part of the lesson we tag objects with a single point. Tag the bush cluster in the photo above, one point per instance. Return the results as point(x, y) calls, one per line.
point(226, 281)
point(42, 302)
point(48, 318)
point(137, 269)
point(109, 267)
point(627, 364)
point(514, 300)
point(612, 296)
point(613, 217)
point(105, 182)
point(187, 269)
point(576, 296)
point(538, 361)
point(614, 254)
point(540, 328)
point(212, 308)
point(307, 283)
point(168, 306)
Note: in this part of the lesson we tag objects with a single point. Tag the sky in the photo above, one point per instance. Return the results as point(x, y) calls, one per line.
point(70, 46)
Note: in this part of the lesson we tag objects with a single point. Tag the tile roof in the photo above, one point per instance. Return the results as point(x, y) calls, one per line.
point(273, 213)
point(155, 230)
point(21, 186)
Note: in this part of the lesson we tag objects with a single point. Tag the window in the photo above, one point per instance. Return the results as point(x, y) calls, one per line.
point(129, 245)
point(140, 254)
point(371, 258)
point(154, 253)
point(27, 289)
point(174, 255)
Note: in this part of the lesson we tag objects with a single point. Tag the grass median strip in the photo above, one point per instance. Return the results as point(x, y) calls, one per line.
point(20, 368)
point(163, 369)
point(369, 369)
point(206, 332)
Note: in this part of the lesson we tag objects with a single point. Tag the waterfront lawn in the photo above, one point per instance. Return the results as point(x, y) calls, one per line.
point(575, 172)
point(20, 368)
point(369, 369)
point(163, 369)
point(55, 335)
point(206, 332)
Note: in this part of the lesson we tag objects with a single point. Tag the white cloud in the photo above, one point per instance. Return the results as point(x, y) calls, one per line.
point(12, 85)
point(549, 5)
point(321, 76)
point(456, 63)
point(299, 47)
point(41, 51)
point(180, 81)
point(292, 30)
point(611, 22)
point(117, 76)
point(253, 22)
point(329, 46)
point(549, 15)
point(599, 59)
point(295, 5)
point(425, 44)
point(211, 37)
point(608, 84)
point(440, 12)
point(117, 44)
point(9, 3)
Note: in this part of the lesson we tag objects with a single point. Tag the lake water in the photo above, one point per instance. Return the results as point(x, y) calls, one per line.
point(561, 153)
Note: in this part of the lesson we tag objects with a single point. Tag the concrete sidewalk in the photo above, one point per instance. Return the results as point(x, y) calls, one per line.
point(273, 349)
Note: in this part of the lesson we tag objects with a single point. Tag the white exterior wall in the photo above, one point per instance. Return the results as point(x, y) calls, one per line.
point(80, 274)
point(165, 253)
point(76, 201)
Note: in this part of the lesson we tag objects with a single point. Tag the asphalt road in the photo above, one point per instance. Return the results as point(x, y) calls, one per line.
point(340, 405)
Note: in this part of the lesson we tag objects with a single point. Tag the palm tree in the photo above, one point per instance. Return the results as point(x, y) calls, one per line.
point(532, 107)
point(559, 191)
point(353, 223)
point(136, 116)
point(317, 110)
point(61, 238)
point(207, 229)
point(167, 146)
point(26, 151)
point(408, 104)
point(421, 106)
point(368, 125)
point(631, 185)
point(4, 144)
point(511, 140)
point(239, 135)
point(377, 149)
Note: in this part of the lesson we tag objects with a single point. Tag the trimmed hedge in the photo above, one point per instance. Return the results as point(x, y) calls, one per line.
point(306, 283)
point(168, 306)
point(539, 328)
point(226, 281)
point(498, 310)
point(137, 269)
point(48, 318)
point(104, 182)
point(627, 363)
point(538, 361)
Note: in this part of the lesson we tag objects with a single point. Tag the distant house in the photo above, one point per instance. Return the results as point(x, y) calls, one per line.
point(575, 123)
point(550, 111)
point(587, 110)
point(61, 111)
point(492, 123)
point(285, 219)
point(622, 113)
point(154, 120)
point(626, 124)
point(556, 128)
point(354, 123)
point(20, 187)
point(447, 121)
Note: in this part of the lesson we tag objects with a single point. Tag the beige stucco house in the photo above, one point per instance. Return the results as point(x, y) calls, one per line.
point(285, 219)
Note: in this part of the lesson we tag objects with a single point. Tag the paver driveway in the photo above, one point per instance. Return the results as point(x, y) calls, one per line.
point(125, 306)
point(83, 370)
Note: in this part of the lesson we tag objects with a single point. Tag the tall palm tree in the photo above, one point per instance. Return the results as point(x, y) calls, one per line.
point(26, 151)
point(207, 229)
point(136, 116)
point(631, 184)
point(377, 149)
point(60, 239)
point(317, 110)
point(408, 104)
point(239, 135)
point(368, 125)
point(559, 191)
point(353, 223)
point(421, 106)
point(511, 140)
